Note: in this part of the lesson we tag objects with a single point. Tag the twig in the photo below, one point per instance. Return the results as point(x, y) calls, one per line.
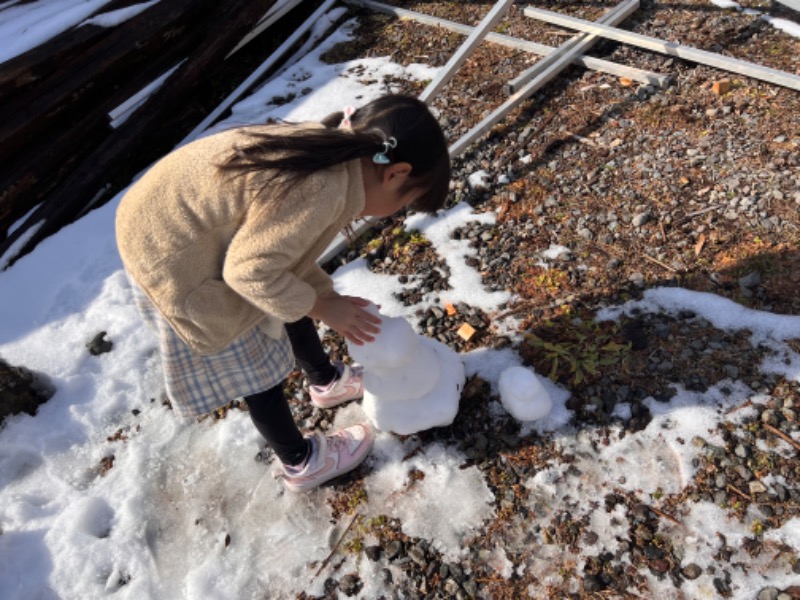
point(336, 546)
point(782, 435)
point(583, 140)
point(517, 309)
point(740, 492)
point(665, 515)
point(697, 213)
point(660, 264)
point(744, 404)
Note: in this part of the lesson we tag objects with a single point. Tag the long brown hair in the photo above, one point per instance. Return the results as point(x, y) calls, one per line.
point(303, 150)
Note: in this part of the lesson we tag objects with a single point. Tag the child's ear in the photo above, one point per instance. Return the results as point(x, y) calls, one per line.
point(396, 172)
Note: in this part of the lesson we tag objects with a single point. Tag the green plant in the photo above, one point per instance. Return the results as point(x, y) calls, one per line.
point(576, 351)
point(757, 528)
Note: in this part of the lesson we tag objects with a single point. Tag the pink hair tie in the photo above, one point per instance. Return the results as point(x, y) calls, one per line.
point(348, 111)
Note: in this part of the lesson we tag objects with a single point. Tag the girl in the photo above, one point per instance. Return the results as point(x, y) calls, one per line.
point(220, 240)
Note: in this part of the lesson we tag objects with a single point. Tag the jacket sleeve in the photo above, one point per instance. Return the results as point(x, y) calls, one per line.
point(271, 260)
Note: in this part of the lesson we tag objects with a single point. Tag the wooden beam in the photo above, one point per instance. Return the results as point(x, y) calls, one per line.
point(259, 72)
point(595, 64)
point(129, 148)
point(615, 16)
point(550, 66)
point(795, 4)
point(726, 63)
point(273, 14)
point(468, 47)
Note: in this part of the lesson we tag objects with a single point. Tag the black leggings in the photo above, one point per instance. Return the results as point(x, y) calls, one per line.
point(270, 410)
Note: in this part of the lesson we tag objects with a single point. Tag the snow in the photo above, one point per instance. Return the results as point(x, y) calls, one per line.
point(25, 26)
point(181, 510)
point(523, 394)
point(115, 17)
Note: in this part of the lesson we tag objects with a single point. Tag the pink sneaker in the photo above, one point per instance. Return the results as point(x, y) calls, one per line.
point(331, 456)
point(348, 386)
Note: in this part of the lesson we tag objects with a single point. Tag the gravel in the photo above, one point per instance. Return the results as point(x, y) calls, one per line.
point(642, 187)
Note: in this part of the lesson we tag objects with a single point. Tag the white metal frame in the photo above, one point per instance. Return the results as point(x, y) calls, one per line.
point(476, 37)
point(726, 63)
point(589, 62)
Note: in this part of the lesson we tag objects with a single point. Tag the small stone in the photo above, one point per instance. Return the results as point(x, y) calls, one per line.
point(99, 344)
point(591, 584)
point(770, 593)
point(756, 487)
point(731, 371)
point(590, 538)
point(750, 280)
point(350, 584)
point(769, 417)
point(394, 549)
point(744, 472)
point(450, 587)
point(722, 586)
point(417, 555)
point(691, 571)
point(373, 553)
point(742, 451)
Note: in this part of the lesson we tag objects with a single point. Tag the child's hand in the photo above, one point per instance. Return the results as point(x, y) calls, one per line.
point(346, 315)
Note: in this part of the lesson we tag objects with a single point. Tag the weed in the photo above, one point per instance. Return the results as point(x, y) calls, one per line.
point(578, 349)
point(757, 528)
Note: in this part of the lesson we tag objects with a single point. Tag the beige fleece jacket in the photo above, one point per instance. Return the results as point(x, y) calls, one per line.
point(217, 254)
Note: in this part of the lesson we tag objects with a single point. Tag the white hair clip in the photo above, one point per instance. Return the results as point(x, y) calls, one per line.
point(380, 158)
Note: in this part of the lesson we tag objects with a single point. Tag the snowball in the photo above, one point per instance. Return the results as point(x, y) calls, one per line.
point(523, 395)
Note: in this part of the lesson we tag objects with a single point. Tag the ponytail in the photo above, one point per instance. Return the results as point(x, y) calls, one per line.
point(301, 151)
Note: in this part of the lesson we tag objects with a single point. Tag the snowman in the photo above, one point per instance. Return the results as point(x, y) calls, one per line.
point(411, 382)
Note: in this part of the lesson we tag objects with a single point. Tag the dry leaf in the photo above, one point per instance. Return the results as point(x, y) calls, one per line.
point(701, 242)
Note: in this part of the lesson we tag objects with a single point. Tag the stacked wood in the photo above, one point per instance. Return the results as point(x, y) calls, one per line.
point(58, 151)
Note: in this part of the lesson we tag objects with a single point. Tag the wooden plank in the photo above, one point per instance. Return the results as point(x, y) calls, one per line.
point(267, 21)
point(466, 49)
point(109, 68)
point(795, 4)
point(595, 64)
point(615, 16)
point(726, 63)
point(550, 66)
point(259, 72)
point(130, 148)
point(52, 55)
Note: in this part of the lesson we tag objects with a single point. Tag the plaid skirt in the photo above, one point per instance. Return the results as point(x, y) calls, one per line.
point(197, 385)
